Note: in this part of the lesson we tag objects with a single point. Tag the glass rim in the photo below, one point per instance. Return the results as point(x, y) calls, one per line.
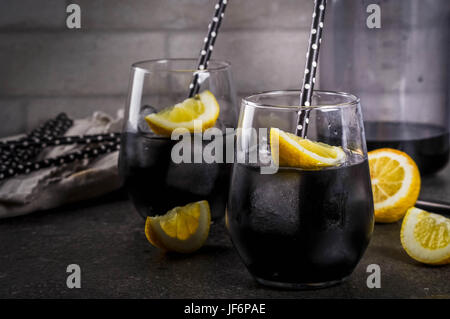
point(354, 100)
point(221, 65)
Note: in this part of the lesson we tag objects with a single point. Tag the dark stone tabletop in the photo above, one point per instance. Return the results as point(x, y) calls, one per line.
point(105, 238)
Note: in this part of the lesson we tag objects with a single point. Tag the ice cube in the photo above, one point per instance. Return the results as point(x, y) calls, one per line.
point(274, 201)
point(196, 178)
point(142, 123)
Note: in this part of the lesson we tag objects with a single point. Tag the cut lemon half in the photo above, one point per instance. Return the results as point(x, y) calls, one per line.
point(197, 113)
point(293, 151)
point(182, 229)
point(426, 237)
point(395, 183)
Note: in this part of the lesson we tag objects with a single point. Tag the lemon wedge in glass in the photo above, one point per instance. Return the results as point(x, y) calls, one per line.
point(426, 237)
point(201, 110)
point(293, 151)
point(182, 229)
point(395, 183)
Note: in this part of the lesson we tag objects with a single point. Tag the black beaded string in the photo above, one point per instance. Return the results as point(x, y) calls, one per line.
point(208, 46)
point(312, 57)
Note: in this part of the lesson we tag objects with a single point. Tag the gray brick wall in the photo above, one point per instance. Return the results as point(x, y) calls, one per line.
point(46, 68)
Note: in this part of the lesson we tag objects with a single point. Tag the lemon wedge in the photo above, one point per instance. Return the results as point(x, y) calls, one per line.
point(294, 151)
point(395, 183)
point(201, 110)
point(182, 229)
point(426, 237)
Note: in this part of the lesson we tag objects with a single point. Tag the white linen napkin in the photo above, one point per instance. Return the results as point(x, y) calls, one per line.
point(55, 186)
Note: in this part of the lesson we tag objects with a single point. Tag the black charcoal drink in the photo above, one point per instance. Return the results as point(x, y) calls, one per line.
point(301, 226)
point(156, 184)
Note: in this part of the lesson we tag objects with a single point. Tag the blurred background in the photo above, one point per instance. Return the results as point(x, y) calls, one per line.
point(46, 68)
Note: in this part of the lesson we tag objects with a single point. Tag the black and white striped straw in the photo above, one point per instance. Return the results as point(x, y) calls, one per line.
point(312, 57)
point(86, 153)
point(208, 44)
point(23, 149)
point(47, 141)
point(13, 158)
point(19, 156)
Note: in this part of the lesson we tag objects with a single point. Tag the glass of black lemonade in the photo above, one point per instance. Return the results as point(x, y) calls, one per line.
point(300, 211)
point(158, 174)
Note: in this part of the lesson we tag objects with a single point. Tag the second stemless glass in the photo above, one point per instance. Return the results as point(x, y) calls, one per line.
point(300, 228)
point(156, 183)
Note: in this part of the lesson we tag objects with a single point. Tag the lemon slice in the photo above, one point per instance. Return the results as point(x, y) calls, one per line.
point(294, 151)
point(426, 237)
point(202, 109)
point(395, 183)
point(182, 229)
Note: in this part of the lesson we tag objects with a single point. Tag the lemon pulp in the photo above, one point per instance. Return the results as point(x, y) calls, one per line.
point(197, 113)
point(293, 151)
point(425, 236)
point(395, 183)
point(182, 229)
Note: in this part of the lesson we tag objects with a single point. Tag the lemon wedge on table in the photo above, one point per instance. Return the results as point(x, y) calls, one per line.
point(182, 229)
point(426, 237)
point(395, 183)
point(294, 151)
point(202, 108)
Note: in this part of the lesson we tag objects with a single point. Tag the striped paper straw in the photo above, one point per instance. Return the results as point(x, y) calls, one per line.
point(23, 149)
point(86, 153)
point(47, 141)
point(208, 45)
point(312, 57)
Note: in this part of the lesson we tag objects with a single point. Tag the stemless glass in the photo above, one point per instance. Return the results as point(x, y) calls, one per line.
point(155, 182)
point(300, 228)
